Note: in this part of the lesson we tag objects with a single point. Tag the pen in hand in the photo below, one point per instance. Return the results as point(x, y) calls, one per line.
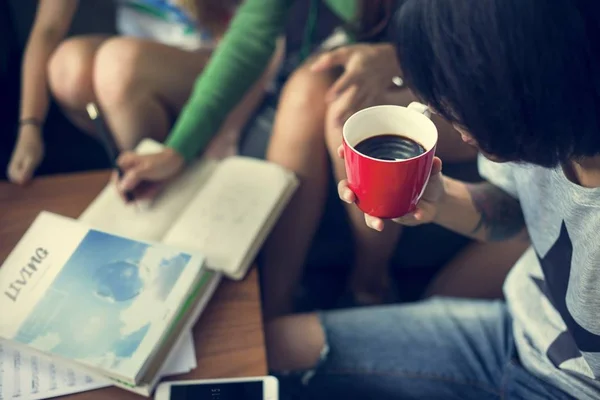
point(108, 142)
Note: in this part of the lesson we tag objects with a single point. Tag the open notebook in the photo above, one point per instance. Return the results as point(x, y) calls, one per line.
point(223, 209)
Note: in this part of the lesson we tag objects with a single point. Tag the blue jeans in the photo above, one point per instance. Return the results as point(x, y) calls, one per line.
point(436, 349)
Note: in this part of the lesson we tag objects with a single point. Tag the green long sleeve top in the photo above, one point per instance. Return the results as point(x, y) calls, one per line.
point(238, 62)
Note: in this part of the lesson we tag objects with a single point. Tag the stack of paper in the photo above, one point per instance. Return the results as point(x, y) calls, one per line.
point(24, 375)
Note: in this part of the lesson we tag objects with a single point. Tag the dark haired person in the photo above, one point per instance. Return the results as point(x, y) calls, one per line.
point(521, 81)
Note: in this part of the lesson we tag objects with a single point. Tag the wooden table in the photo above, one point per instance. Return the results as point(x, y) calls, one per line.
point(229, 335)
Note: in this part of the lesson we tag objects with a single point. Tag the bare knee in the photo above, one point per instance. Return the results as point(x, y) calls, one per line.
point(70, 72)
point(298, 140)
point(302, 109)
point(294, 342)
point(116, 70)
point(305, 92)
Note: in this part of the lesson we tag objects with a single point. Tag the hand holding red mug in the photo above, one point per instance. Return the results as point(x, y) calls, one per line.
point(391, 168)
point(426, 207)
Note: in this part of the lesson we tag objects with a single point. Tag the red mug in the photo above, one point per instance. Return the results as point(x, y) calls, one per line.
point(389, 188)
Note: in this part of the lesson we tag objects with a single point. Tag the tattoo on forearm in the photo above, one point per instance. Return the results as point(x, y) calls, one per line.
point(501, 214)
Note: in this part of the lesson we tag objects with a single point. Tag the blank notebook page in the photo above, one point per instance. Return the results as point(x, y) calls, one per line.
point(231, 211)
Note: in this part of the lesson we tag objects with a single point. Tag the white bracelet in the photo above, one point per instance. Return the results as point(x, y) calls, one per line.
point(398, 81)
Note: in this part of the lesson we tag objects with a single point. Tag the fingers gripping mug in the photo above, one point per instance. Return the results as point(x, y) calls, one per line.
point(388, 152)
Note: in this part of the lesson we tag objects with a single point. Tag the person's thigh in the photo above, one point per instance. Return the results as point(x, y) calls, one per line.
point(437, 349)
point(126, 67)
point(70, 70)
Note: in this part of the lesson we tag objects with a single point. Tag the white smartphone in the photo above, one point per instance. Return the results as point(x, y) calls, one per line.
point(256, 388)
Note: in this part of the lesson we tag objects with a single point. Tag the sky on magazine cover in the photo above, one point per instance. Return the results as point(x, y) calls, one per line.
point(101, 305)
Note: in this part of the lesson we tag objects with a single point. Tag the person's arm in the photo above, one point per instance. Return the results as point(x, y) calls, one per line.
point(481, 211)
point(51, 24)
point(239, 60)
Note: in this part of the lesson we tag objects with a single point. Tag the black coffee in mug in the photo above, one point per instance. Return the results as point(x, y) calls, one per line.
point(390, 147)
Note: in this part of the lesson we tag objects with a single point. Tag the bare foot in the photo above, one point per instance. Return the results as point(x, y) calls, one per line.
point(370, 288)
point(27, 155)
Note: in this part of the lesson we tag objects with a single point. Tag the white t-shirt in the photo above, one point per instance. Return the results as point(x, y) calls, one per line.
point(553, 292)
point(162, 21)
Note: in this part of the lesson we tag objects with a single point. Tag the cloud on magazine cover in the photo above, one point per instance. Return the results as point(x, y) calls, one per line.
point(156, 272)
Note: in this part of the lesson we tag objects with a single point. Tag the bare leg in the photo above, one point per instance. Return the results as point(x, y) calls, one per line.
point(294, 342)
point(369, 280)
point(479, 270)
point(142, 85)
point(70, 73)
point(297, 144)
point(134, 82)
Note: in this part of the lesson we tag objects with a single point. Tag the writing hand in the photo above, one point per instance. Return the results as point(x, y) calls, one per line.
point(145, 175)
